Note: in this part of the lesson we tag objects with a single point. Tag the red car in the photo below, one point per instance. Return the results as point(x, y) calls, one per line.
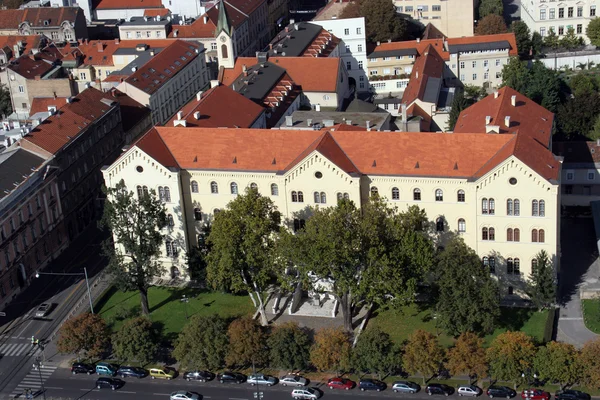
point(535, 394)
point(340, 383)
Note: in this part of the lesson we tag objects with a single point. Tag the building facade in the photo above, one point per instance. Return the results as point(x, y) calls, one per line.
point(60, 24)
point(541, 16)
point(580, 172)
point(454, 18)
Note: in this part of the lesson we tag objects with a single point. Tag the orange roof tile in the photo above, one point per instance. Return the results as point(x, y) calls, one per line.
point(432, 32)
point(509, 37)
point(32, 65)
point(429, 65)
point(100, 52)
point(153, 144)
point(41, 104)
point(246, 6)
point(10, 19)
point(157, 12)
point(205, 26)
point(126, 4)
point(419, 46)
point(29, 42)
point(417, 111)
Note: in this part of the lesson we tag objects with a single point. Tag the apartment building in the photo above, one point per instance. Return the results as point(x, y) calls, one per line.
point(304, 39)
point(278, 13)
point(454, 18)
point(580, 172)
point(60, 24)
point(542, 16)
point(145, 27)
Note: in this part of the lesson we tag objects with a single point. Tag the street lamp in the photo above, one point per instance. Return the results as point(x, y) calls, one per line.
point(185, 300)
point(87, 282)
point(37, 364)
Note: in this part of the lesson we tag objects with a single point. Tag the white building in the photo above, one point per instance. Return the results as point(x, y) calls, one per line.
point(454, 18)
point(542, 16)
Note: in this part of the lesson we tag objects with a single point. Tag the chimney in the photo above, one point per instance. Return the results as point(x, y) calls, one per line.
point(176, 33)
point(389, 40)
point(309, 123)
point(146, 18)
point(418, 40)
point(507, 121)
point(117, 41)
point(69, 99)
point(270, 46)
point(318, 107)
point(513, 100)
point(205, 19)
point(244, 68)
point(199, 95)
point(492, 129)
point(197, 115)
point(349, 122)
point(597, 142)
point(214, 83)
point(378, 43)
point(296, 26)
point(180, 122)
point(17, 51)
point(287, 29)
point(496, 94)
point(100, 46)
point(368, 125)
point(404, 116)
point(179, 114)
point(488, 119)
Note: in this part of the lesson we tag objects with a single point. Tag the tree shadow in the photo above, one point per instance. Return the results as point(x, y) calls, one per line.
point(106, 296)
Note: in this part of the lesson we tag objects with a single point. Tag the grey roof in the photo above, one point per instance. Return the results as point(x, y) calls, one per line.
point(394, 53)
point(15, 168)
point(446, 97)
point(432, 90)
point(142, 58)
point(358, 105)
point(141, 21)
point(459, 48)
point(376, 119)
point(301, 35)
point(260, 80)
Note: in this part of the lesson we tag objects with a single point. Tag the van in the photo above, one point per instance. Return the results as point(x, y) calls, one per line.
point(103, 368)
point(162, 373)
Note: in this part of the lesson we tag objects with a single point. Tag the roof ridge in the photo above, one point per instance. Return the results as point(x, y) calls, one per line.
point(513, 139)
point(237, 9)
point(343, 151)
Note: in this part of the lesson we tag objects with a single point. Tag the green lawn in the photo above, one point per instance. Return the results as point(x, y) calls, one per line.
point(591, 314)
point(167, 309)
point(400, 324)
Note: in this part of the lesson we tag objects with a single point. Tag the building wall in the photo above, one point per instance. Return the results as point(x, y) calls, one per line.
point(117, 14)
point(143, 32)
point(480, 69)
point(540, 16)
point(453, 17)
point(395, 86)
point(24, 90)
point(278, 12)
point(390, 65)
point(580, 184)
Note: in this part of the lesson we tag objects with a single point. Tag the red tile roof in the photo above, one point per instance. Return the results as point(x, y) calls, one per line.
point(526, 117)
point(100, 52)
point(509, 37)
point(156, 12)
point(30, 66)
point(220, 107)
point(10, 19)
point(246, 6)
point(417, 111)
point(28, 42)
point(432, 32)
point(315, 49)
point(419, 46)
point(153, 144)
point(41, 104)
point(429, 65)
point(201, 29)
point(163, 66)
point(577, 152)
point(126, 4)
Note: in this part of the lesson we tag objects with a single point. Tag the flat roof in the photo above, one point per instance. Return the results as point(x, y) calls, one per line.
point(485, 46)
point(376, 119)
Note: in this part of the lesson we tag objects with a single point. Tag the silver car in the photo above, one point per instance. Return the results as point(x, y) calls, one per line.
point(405, 387)
point(305, 394)
point(42, 310)
point(184, 395)
point(260, 379)
point(469, 390)
point(293, 380)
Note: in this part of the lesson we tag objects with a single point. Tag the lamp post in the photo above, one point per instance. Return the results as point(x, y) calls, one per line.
point(38, 365)
point(84, 273)
point(185, 300)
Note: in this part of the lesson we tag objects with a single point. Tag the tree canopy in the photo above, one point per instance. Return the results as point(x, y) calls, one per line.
point(381, 20)
point(541, 286)
point(289, 347)
point(5, 102)
point(85, 335)
point(491, 24)
point(593, 31)
point(422, 354)
point(490, 7)
point(522, 36)
point(559, 362)
point(577, 115)
point(375, 352)
point(137, 340)
point(509, 354)
point(589, 356)
point(331, 350)
point(247, 343)
point(468, 357)
point(202, 343)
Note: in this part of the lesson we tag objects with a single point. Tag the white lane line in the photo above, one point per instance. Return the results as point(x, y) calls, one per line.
point(53, 387)
point(19, 349)
point(236, 398)
point(26, 326)
point(7, 349)
point(125, 391)
point(164, 394)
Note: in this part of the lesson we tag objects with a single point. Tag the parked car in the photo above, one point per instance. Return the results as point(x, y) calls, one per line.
point(306, 394)
point(260, 379)
point(43, 310)
point(340, 383)
point(231, 377)
point(469, 390)
point(134, 372)
point(162, 373)
point(405, 387)
point(82, 368)
point(293, 380)
point(439, 388)
point(371, 384)
point(184, 395)
point(570, 394)
point(110, 383)
point(201, 376)
point(501, 391)
point(535, 394)
point(103, 368)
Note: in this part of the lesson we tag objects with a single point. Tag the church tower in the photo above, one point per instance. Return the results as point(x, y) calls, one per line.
point(225, 48)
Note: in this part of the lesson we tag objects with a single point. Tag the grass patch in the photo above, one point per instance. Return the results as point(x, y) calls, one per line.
point(400, 324)
point(591, 314)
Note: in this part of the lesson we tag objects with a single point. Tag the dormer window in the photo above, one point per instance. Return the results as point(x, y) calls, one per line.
point(46, 22)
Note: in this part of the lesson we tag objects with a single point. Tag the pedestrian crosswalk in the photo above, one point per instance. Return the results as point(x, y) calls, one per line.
point(34, 381)
point(15, 349)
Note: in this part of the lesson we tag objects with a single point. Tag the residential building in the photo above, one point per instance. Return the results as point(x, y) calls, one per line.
point(124, 9)
point(541, 16)
point(311, 120)
point(168, 80)
point(278, 13)
point(580, 172)
point(144, 28)
point(14, 46)
point(470, 191)
point(60, 24)
point(304, 39)
point(454, 18)
point(47, 105)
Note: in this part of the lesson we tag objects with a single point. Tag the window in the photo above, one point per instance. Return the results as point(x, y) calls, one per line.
point(592, 11)
point(323, 198)
point(460, 196)
point(474, 64)
point(358, 31)
point(561, 30)
point(497, 62)
point(83, 76)
point(509, 207)
point(561, 12)
point(274, 189)
point(492, 206)
point(474, 77)
point(510, 290)
point(294, 197)
point(542, 205)
point(439, 224)
point(360, 64)
point(348, 65)
point(213, 46)
point(346, 31)
point(436, 8)
point(552, 13)
point(541, 236)
point(534, 265)
point(439, 195)
point(579, 11)
point(299, 224)
point(214, 187)
point(417, 194)
point(140, 193)
point(484, 206)
point(534, 208)
point(492, 234)
point(517, 207)
point(170, 220)
point(300, 197)
point(484, 234)
point(317, 197)
point(570, 12)
point(534, 235)
point(510, 266)
point(395, 193)
point(374, 191)
point(462, 65)
point(509, 235)
point(21, 89)
point(542, 14)
point(591, 175)
point(171, 248)
point(167, 194)
point(346, 196)
point(234, 188)
point(486, 76)
point(516, 266)
point(517, 235)
point(197, 214)
point(347, 48)
point(462, 226)
point(579, 29)
point(194, 187)
point(253, 186)
point(485, 63)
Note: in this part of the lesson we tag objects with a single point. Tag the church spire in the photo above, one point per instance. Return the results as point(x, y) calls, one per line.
point(223, 23)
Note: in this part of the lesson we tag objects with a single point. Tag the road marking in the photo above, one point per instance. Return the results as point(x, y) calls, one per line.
point(63, 303)
point(8, 348)
point(570, 319)
point(165, 394)
point(53, 387)
point(236, 398)
point(125, 391)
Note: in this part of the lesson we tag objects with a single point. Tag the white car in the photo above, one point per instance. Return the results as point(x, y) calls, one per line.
point(184, 395)
point(260, 379)
point(42, 310)
point(305, 394)
point(469, 390)
point(293, 380)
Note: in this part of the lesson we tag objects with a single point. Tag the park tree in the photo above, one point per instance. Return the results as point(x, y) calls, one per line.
point(5, 102)
point(136, 340)
point(593, 31)
point(135, 222)
point(375, 353)
point(85, 335)
point(459, 103)
point(490, 7)
point(289, 347)
point(594, 133)
point(537, 42)
point(515, 74)
point(522, 36)
point(570, 40)
point(544, 86)
point(491, 24)
point(247, 343)
point(589, 357)
point(242, 240)
point(582, 84)
point(578, 114)
point(509, 355)
point(381, 20)
point(202, 343)
point(468, 297)
point(551, 40)
point(468, 357)
point(331, 350)
point(541, 286)
point(559, 362)
point(422, 354)
point(197, 257)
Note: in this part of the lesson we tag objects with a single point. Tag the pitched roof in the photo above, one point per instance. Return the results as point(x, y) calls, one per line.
point(41, 104)
point(205, 26)
point(246, 6)
point(126, 4)
point(425, 78)
point(100, 52)
point(584, 153)
point(220, 107)
point(32, 65)
point(223, 23)
point(35, 16)
point(432, 32)
point(132, 112)
point(15, 167)
point(484, 42)
point(409, 47)
point(526, 116)
point(416, 111)
point(303, 39)
point(28, 42)
point(157, 12)
point(153, 144)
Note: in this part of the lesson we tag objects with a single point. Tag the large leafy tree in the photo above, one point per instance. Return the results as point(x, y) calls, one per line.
point(577, 115)
point(467, 357)
point(136, 340)
point(582, 84)
point(198, 255)
point(459, 103)
point(135, 223)
point(247, 343)
point(570, 40)
point(594, 133)
point(85, 335)
point(593, 31)
point(515, 74)
point(202, 343)
point(381, 20)
point(551, 40)
point(289, 347)
point(589, 357)
point(510, 354)
point(541, 286)
point(491, 24)
point(331, 350)
point(559, 362)
point(468, 297)
point(375, 352)
point(522, 36)
point(242, 240)
point(5, 102)
point(488, 7)
point(537, 42)
point(422, 354)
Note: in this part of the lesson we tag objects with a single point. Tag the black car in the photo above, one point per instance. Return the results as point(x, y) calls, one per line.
point(82, 368)
point(133, 372)
point(501, 391)
point(570, 394)
point(439, 388)
point(371, 384)
point(201, 376)
point(231, 377)
point(111, 383)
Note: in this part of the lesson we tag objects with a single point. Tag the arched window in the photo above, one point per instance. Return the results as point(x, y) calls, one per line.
point(395, 193)
point(346, 196)
point(169, 248)
point(485, 261)
point(340, 196)
point(167, 194)
point(541, 236)
point(300, 197)
point(294, 197)
point(161, 193)
point(374, 191)
point(194, 187)
point(439, 224)
point(323, 198)
point(492, 206)
point(484, 233)
point(517, 207)
point(542, 208)
point(299, 224)
point(509, 235)
point(234, 188)
point(140, 192)
point(460, 196)
point(253, 186)
point(534, 265)
point(224, 52)
point(145, 188)
point(484, 206)
point(439, 195)
point(274, 189)
point(510, 266)
point(317, 197)
point(214, 187)
point(492, 265)
point(509, 207)
point(462, 225)
point(516, 266)
point(534, 208)
point(417, 194)
point(534, 235)
point(197, 214)
point(492, 234)
point(170, 220)
point(517, 234)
